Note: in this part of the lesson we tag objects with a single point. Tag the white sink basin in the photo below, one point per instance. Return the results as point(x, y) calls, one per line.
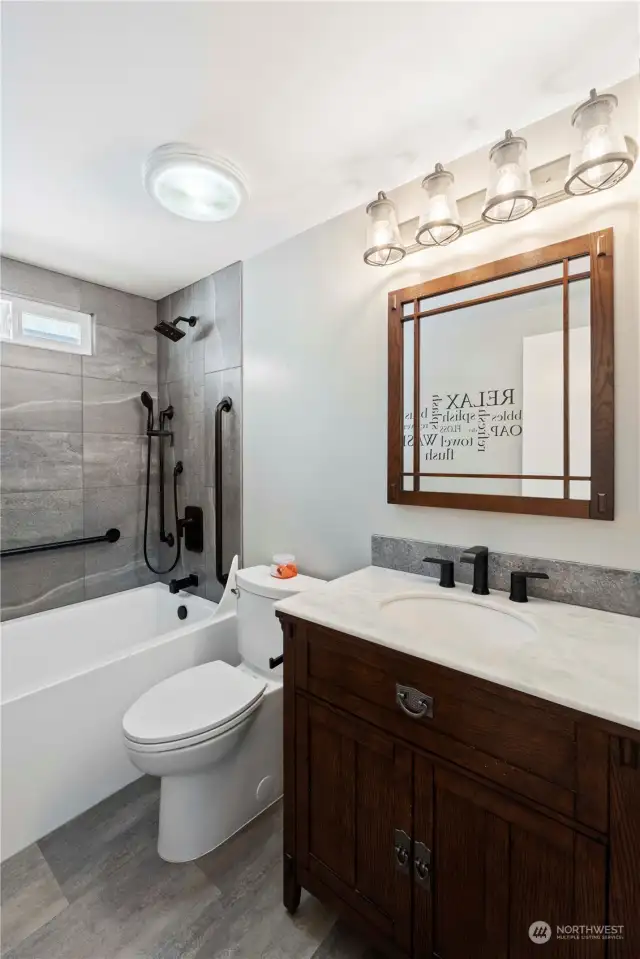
point(451, 618)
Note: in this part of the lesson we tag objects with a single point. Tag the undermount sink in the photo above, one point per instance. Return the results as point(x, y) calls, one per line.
point(451, 618)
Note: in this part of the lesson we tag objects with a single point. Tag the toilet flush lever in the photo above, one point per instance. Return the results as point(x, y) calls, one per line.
point(275, 661)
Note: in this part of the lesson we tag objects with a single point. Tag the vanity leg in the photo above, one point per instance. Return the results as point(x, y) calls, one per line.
point(291, 888)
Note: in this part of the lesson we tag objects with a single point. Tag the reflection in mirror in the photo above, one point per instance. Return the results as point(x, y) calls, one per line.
point(407, 388)
point(579, 387)
point(479, 290)
point(484, 371)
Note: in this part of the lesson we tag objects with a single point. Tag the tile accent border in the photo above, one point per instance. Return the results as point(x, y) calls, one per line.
point(598, 587)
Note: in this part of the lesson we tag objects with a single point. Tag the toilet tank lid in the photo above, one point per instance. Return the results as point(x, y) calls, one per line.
point(259, 581)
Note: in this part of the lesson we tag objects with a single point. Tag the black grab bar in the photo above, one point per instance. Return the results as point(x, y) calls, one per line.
point(111, 536)
point(224, 406)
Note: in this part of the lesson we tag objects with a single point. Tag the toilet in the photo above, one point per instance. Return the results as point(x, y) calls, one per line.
point(213, 733)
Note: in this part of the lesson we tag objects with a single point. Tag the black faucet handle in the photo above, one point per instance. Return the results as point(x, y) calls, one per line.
point(473, 553)
point(519, 579)
point(446, 570)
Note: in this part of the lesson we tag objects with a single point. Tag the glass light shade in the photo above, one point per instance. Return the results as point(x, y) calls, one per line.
point(510, 194)
point(602, 156)
point(191, 184)
point(441, 223)
point(384, 245)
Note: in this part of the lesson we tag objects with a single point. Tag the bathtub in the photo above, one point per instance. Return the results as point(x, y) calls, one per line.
point(68, 677)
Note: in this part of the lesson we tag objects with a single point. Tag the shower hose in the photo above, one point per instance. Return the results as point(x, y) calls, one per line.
point(176, 472)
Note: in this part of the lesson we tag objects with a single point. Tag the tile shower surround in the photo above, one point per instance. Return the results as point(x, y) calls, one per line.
point(598, 587)
point(73, 447)
point(194, 374)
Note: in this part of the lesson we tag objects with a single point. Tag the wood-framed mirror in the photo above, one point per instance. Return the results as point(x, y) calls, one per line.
point(501, 385)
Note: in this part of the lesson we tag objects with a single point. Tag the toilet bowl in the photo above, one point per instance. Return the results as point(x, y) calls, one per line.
point(213, 733)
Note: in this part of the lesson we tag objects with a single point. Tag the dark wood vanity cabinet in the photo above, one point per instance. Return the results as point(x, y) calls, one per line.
point(448, 834)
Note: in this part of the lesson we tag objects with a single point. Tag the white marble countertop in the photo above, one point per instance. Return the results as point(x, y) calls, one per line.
point(582, 658)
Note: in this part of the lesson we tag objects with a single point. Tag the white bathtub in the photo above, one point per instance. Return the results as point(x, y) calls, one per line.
point(69, 675)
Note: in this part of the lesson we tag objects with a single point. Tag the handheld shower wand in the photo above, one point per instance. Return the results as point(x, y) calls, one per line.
point(147, 402)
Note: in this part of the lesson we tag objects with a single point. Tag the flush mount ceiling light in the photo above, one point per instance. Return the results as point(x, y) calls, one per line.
point(384, 245)
point(603, 156)
point(441, 223)
point(510, 194)
point(187, 182)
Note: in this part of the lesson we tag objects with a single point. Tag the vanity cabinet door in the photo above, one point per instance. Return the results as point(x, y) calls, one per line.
point(497, 868)
point(353, 812)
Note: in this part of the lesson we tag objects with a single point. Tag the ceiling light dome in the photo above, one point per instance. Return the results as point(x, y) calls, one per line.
point(187, 182)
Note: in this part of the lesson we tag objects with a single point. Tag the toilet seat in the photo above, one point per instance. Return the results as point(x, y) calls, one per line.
point(194, 706)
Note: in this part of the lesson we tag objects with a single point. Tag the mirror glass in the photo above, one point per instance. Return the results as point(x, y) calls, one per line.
point(503, 398)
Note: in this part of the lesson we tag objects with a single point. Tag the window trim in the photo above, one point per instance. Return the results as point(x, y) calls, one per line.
point(17, 337)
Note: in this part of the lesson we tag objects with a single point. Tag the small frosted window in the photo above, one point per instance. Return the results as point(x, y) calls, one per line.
point(45, 327)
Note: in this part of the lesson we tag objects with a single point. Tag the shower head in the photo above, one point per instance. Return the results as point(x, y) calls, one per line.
point(171, 331)
point(147, 401)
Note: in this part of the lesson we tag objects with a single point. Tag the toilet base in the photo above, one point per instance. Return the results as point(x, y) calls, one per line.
point(199, 811)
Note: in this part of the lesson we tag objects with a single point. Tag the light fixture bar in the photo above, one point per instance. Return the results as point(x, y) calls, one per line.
point(548, 181)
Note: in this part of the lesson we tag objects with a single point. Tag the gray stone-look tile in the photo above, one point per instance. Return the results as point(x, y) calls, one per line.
point(122, 355)
point(30, 518)
point(36, 460)
point(187, 396)
point(30, 896)
point(33, 400)
point(114, 460)
point(223, 347)
point(112, 406)
point(40, 581)
point(598, 587)
point(121, 311)
point(344, 943)
point(49, 361)
point(121, 507)
point(112, 567)
point(32, 282)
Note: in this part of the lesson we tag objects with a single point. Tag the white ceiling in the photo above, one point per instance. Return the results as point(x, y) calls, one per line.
point(320, 104)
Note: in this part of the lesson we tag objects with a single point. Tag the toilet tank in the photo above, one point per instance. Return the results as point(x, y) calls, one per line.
point(259, 630)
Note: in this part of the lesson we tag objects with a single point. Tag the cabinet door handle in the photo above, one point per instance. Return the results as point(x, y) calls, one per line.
point(402, 850)
point(414, 703)
point(422, 864)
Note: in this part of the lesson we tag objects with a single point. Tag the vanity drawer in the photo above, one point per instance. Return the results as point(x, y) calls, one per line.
point(528, 745)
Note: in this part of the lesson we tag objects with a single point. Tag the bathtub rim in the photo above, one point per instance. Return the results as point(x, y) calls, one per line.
point(219, 614)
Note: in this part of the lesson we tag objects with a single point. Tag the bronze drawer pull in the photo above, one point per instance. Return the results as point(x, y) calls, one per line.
point(414, 703)
point(422, 864)
point(402, 850)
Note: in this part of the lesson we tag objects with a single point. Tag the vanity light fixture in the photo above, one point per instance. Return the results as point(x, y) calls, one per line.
point(441, 223)
point(384, 244)
point(603, 156)
point(510, 194)
point(187, 182)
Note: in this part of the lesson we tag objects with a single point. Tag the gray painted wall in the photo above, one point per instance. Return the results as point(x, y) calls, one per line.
point(72, 446)
point(194, 374)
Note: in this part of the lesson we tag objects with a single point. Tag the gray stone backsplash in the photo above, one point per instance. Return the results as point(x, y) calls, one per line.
point(598, 587)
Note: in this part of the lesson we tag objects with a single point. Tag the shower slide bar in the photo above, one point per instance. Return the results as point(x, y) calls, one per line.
point(111, 536)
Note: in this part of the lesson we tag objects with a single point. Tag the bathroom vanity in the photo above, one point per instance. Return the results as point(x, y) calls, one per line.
point(446, 792)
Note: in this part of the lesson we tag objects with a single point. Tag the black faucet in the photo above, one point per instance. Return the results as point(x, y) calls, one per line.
point(479, 556)
point(446, 570)
point(177, 584)
point(519, 579)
